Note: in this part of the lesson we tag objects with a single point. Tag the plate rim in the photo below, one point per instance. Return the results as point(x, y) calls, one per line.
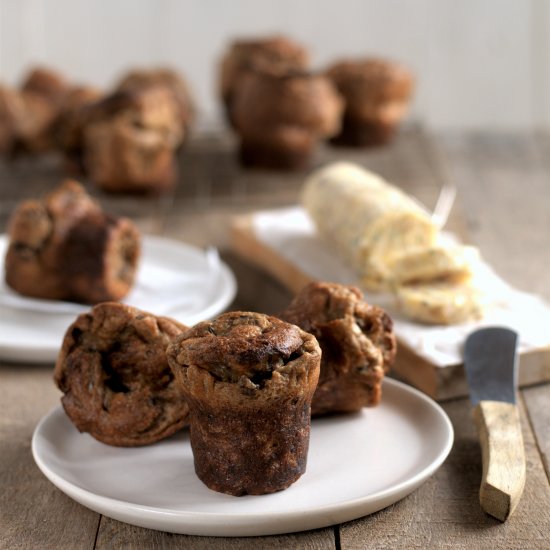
point(38, 354)
point(242, 524)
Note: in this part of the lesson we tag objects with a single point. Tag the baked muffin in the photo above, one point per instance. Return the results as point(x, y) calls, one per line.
point(113, 372)
point(274, 54)
point(376, 95)
point(280, 118)
point(46, 83)
point(248, 379)
point(67, 248)
point(357, 342)
point(140, 79)
point(70, 124)
point(130, 139)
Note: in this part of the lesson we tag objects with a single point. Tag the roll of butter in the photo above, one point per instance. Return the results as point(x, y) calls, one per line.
point(366, 219)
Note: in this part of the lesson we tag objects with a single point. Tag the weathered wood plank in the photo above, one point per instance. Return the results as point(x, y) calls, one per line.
point(113, 534)
point(34, 514)
point(537, 401)
point(445, 511)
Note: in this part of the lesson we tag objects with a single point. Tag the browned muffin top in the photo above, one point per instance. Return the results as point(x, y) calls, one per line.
point(241, 344)
point(113, 371)
point(33, 221)
point(348, 328)
point(47, 83)
point(367, 79)
point(149, 114)
point(274, 54)
point(304, 101)
point(146, 78)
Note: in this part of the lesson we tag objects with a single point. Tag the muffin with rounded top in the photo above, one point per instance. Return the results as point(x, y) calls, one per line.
point(248, 379)
point(113, 372)
point(275, 54)
point(280, 118)
point(47, 83)
point(130, 139)
point(376, 95)
point(357, 342)
point(140, 79)
point(66, 248)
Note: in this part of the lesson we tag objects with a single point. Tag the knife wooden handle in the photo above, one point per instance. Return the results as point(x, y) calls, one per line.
point(503, 457)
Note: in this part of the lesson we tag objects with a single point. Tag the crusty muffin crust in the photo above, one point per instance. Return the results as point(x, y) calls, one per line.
point(113, 372)
point(272, 54)
point(281, 117)
point(357, 342)
point(376, 94)
point(67, 248)
point(248, 379)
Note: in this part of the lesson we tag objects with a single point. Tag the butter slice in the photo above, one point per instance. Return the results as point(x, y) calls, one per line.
point(441, 303)
point(452, 263)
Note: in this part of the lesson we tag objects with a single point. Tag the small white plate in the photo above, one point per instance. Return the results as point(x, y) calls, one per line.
point(173, 278)
point(357, 465)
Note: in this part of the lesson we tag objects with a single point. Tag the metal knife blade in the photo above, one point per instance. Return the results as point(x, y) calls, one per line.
point(491, 364)
point(490, 361)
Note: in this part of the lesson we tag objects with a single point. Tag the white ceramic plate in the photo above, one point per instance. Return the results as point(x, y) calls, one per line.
point(357, 464)
point(174, 279)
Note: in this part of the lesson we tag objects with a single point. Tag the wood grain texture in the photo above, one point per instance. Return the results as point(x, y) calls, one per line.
point(537, 401)
point(113, 534)
point(445, 511)
point(503, 457)
point(34, 514)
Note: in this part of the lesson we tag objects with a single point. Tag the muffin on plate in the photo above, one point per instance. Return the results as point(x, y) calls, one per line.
point(113, 372)
point(130, 139)
point(66, 248)
point(357, 342)
point(272, 54)
point(248, 379)
point(280, 118)
point(376, 95)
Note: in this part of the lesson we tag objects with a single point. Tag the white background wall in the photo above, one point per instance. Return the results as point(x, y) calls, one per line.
point(479, 63)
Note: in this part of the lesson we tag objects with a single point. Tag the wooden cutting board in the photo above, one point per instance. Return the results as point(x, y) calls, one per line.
point(438, 382)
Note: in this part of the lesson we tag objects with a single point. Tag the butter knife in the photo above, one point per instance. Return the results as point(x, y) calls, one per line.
point(490, 361)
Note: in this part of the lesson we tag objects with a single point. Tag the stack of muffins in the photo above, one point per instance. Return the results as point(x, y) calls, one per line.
point(125, 141)
point(281, 109)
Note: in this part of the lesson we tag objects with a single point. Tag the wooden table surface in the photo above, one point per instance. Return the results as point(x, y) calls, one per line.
point(503, 207)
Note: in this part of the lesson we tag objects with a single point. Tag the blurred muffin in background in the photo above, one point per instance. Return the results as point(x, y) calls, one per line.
point(28, 115)
point(130, 139)
point(46, 83)
point(140, 79)
point(376, 95)
point(280, 118)
point(273, 54)
point(70, 124)
point(66, 247)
